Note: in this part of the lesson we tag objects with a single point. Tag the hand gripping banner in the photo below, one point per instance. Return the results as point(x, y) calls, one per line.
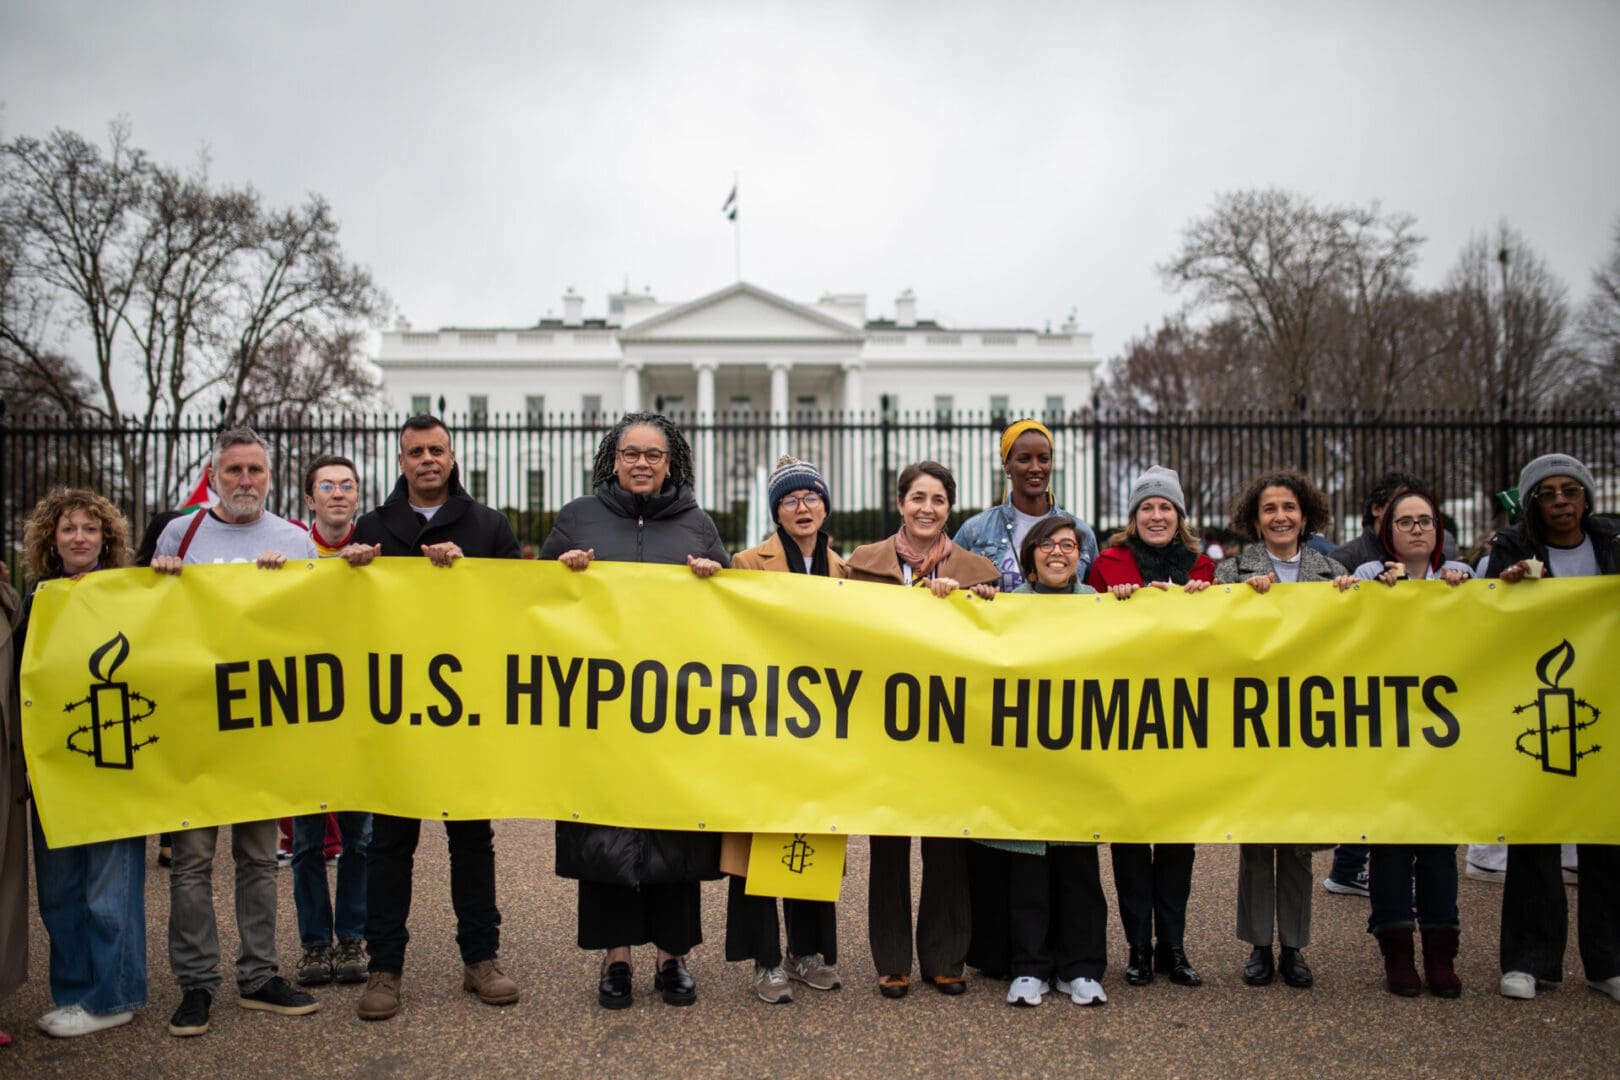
point(777, 703)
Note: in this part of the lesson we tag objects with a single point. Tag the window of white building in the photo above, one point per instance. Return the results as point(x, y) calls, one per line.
point(591, 406)
point(534, 407)
point(421, 404)
point(478, 484)
point(478, 408)
point(1054, 407)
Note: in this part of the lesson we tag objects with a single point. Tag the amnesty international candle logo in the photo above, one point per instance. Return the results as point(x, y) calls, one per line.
point(113, 715)
point(1556, 736)
point(796, 856)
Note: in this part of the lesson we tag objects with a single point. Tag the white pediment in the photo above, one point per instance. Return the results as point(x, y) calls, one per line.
point(741, 313)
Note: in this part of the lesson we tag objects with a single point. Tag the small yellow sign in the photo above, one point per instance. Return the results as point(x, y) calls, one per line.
point(805, 866)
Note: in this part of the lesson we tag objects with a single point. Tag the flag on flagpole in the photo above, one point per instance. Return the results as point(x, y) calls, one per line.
point(730, 208)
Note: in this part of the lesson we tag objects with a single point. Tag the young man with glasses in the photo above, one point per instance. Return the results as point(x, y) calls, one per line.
point(332, 929)
point(1558, 536)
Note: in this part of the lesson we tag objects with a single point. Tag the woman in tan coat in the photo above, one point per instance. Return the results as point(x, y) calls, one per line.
point(799, 502)
point(921, 554)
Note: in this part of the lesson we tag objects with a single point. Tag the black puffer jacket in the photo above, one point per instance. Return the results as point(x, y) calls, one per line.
point(661, 528)
point(480, 532)
point(622, 527)
point(1514, 543)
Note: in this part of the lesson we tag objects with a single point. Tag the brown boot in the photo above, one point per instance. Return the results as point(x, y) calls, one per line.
point(1400, 969)
point(380, 999)
point(492, 985)
point(1439, 950)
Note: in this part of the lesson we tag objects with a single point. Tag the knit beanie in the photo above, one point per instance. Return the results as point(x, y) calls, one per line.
point(1162, 483)
point(791, 474)
point(1554, 465)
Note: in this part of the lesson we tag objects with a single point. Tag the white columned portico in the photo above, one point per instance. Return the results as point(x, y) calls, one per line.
point(779, 367)
point(703, 444)
point(852, 387)
point(630, 376)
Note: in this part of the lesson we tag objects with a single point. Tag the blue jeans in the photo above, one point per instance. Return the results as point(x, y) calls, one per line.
point(92, 900)
point(317, 919)
point(1393, 868)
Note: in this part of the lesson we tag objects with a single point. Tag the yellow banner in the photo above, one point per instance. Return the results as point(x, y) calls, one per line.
point(777, 703)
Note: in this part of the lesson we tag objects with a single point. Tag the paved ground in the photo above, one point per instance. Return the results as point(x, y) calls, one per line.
point(1346, 1025)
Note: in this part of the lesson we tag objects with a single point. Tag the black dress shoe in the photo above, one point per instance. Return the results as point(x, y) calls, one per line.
point(613, 992)
point(675, 982)
point(1174, 962)
point(1139, 968)
point(1295, 971)
point(1259, 971)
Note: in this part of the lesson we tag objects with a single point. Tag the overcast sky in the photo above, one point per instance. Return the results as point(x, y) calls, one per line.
point(1006, 161)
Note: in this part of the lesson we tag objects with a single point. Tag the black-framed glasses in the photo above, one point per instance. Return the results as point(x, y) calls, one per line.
point(1414, 524)
point(631, 454)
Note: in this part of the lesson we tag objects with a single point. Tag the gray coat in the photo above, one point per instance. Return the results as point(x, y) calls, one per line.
point(1253, 561)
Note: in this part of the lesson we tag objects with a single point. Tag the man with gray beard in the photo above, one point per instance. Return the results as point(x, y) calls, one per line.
point(237, 529)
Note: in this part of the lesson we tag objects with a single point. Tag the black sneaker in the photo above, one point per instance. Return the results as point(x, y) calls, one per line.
point(1356, 886)
point(191, 1018)
point(278, 997)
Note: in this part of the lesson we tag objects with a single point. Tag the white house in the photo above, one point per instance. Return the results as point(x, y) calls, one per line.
point(740, 351)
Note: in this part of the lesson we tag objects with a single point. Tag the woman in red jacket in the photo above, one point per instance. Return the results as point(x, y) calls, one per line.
point(1155, 548)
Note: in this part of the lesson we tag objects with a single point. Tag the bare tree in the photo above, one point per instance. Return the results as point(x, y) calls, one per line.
point(1600, 332)
point(1179, 367)
point(1511, 346)
point(183, 290)
point(1288, 270)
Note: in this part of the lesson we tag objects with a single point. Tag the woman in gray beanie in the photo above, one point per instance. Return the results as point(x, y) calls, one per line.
point(1558, 537)
point(799, 502)
point(1155, 548)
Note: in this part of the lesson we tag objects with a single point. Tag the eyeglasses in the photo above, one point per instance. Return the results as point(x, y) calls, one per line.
point(1067, 546)
point(630, 455)
point(326, 487)
point(1569, 492)
point(1414, 524)
point(811, 501)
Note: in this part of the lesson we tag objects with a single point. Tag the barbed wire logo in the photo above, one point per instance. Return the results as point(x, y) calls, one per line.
point(796, 856)
point(1559, 713)
point(112, 711)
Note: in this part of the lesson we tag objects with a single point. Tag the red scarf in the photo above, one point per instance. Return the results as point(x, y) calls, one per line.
point(923, 563)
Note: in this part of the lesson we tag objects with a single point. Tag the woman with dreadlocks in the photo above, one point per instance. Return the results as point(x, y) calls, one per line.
point(639, 885)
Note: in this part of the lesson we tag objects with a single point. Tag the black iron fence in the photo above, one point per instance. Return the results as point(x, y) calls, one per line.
point(530, 466)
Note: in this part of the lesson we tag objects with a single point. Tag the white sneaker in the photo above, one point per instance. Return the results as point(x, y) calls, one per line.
point(1610, 986)
point(1484, 873)
point(1026, 990)
point(1518, 984)
point(73, 1021)
point(1083, 991)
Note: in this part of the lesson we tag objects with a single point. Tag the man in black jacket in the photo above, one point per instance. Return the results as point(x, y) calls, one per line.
point(429, 513)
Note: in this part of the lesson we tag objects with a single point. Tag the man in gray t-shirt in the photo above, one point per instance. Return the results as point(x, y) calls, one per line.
point(238, 529)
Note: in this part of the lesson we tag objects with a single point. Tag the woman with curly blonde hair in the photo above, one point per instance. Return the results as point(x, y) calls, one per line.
point(92, 897)
point(42, 554)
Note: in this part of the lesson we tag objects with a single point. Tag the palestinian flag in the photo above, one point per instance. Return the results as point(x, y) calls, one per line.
point(202, 496)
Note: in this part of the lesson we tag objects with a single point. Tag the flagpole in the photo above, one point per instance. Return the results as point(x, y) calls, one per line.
point(736, 230)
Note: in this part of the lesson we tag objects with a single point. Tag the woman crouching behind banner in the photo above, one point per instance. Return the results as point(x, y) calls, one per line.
point(92, 897)
point(1410, 534)
point(639, 885)
point(1058, 918)
point(1276, 514)
point(1155, 548)
point(800, 501)
point(921, 554)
